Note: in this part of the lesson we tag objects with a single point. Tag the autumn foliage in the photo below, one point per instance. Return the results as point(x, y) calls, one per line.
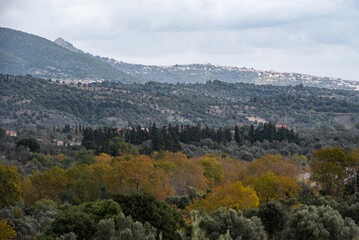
point(6, 230)
point(10, 190)
point(231, 196)
point(232, 183)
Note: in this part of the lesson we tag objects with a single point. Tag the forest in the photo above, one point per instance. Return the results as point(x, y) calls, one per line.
point(179, 182)
point(28, 102)
point(216, 160)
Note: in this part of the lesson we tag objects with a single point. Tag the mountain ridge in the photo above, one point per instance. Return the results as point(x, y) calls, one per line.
point(201, 73)
point(23, 53)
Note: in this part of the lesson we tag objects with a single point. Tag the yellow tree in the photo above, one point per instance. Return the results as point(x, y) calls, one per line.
point(6, 230)
point(10, 185)
point(271, 187)
point(103, 158)
point(231, 196)
point(212, 169)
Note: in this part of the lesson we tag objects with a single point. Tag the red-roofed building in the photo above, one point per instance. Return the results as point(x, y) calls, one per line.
point(11, 133)
point(125, 128)
point(282, 126)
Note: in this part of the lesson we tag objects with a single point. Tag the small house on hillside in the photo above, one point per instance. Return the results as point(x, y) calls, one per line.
point(11, 133)
point(282, 126)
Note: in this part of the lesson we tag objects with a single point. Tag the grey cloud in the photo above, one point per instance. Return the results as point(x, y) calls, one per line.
point(318, 37)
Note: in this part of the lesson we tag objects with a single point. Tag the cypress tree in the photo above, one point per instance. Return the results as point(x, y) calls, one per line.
point(237, 135)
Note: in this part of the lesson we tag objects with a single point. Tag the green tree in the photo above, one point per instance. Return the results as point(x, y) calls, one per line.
point(2, 133)
point(105, 229)
point(221, 222)
point(329, 170)
point(31, 143)
point(213, 170)
point(320, 223)
point(71, 220)
point(273, 216)
point(67, 236)
point(84, 157)
point(133, 230)
point(127, 148)
point(40, 158)
point(227, 135)
point(155, 138)
point(144, 207)
point(101, 210)
point(237, 135)
point(10, 189)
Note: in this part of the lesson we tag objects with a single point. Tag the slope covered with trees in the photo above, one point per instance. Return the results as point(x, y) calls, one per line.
point(28, 101)
point(23, 53)
point(201, 73)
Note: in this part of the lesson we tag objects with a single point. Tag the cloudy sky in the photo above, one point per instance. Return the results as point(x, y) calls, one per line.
point(319, 37)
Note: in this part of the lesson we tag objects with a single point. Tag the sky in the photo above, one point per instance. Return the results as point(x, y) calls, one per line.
point(318, 37)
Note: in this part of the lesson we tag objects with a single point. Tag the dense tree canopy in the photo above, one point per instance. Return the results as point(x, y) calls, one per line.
point(329, 170)
point(146, 208)
point(320, 223)
point(10, 185)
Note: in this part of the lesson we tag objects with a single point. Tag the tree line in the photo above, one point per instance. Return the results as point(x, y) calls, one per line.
point(169, 138)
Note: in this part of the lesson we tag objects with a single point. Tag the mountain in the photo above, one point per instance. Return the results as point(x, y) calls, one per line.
point(26, 101)
point(200, 73)
point(60, 41)
point(23, 53)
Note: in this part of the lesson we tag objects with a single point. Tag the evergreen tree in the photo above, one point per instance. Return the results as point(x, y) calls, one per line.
point(227, 135)
point(154, 136)
point(220, 135)
point(251, 135)
point(237, 135)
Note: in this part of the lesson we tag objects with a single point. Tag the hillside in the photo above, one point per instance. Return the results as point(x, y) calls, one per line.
point(200, 73)
point(23, 53)
point(28, 101)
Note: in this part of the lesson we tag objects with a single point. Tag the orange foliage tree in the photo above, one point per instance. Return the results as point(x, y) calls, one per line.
point(137, 174)
point(277, 164)
point(182, 172)
point(103, 158)
point(49, 185)
point(231, 168)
